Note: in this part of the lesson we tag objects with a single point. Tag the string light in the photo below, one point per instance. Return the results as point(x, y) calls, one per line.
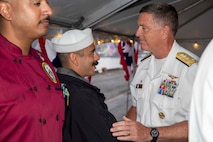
point(196, 45)
point(58, 35)
point(99, 42)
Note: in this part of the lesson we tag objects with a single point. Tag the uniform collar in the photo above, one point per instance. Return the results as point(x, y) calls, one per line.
point(170, 59)
point(70, 72)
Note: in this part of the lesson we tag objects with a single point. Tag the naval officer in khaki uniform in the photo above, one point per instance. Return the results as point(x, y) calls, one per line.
point(162, 86)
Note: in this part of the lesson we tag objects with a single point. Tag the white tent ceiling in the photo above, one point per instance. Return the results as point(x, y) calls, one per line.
point(118, 18)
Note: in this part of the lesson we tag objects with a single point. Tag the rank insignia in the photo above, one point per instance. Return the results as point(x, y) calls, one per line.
point(49, 72)
point(185, 58)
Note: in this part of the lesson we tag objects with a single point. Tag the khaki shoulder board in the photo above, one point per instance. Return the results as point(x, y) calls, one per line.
point(185, 58)
point(147, 56)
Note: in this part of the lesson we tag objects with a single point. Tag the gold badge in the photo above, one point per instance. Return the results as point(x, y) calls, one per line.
point(172, 76)
point(161, 115)
point(185, 58)
point(49, 72)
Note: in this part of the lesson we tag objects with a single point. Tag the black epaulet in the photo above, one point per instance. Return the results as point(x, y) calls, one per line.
point(185, 58)
point(147, 56)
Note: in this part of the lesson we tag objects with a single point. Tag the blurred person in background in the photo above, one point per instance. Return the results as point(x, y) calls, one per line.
point(201, 115)
point(45, 46)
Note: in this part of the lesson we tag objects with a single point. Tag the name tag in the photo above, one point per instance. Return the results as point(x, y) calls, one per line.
point(139, 86)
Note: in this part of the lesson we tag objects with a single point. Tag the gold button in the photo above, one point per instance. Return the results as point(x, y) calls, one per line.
point(161, 115)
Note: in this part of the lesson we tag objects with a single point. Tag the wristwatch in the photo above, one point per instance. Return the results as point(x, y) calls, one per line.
point(154, 133)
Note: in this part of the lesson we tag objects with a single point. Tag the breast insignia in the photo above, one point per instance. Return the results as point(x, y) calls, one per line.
point(172, 76)
point(147, 56)
point(185, 58)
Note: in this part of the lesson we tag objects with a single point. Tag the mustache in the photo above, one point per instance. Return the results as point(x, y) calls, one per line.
point(45, 19)
point(95, 63)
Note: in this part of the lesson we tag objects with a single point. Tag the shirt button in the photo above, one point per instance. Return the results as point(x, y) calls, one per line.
point(49, 87)
point(161, 115)
point(57, 117)
point(35, 88)
point(44, 121)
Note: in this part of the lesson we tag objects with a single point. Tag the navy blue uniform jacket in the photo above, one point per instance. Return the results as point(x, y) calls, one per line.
point(87, 117)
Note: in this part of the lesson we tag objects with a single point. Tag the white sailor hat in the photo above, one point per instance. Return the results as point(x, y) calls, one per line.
point(73, 40)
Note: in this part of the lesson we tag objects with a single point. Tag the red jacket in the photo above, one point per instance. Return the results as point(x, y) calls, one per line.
point(31, 101)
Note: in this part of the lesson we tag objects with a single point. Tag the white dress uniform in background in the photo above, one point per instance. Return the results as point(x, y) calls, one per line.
point(201, 114)
point(51, 53)
point(161, 89)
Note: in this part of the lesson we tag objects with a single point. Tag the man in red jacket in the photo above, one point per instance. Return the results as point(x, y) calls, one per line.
point(31, 101)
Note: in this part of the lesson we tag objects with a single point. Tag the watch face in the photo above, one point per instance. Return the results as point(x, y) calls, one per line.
point(154, 133)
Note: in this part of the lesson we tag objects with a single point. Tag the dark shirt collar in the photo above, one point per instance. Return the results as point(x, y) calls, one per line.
point(70, 72)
